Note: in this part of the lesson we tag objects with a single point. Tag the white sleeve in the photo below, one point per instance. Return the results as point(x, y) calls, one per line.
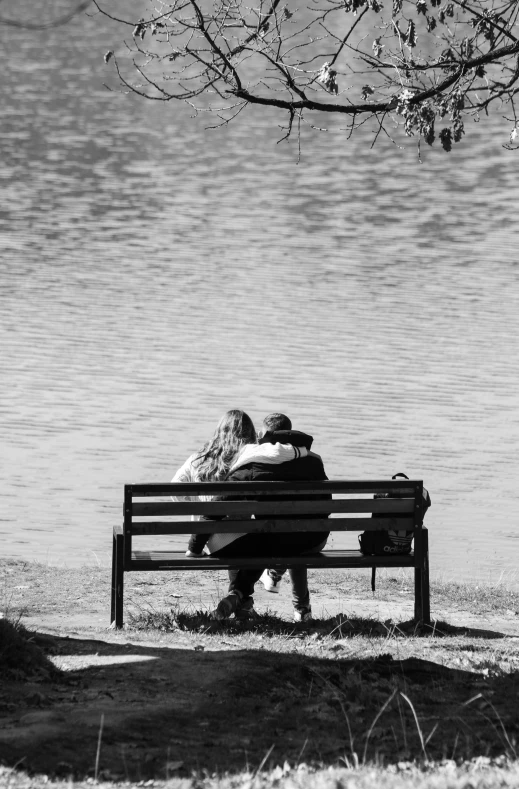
point(281, 453)
point(268, 453)
point(186, 473)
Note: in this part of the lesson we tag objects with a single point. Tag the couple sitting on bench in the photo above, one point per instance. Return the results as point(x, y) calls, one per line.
point(236, 453)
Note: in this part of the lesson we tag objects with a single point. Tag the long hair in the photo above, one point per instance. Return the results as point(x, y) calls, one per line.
point(234, 430)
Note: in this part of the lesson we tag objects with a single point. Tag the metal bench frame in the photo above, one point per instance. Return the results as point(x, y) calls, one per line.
point(147, 513)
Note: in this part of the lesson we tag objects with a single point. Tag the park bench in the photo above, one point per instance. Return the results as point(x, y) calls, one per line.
point(148, 514)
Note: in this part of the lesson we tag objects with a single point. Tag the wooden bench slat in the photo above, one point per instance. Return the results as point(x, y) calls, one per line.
point(269, 525)
point(176, 560)
point(260, 507)
point(349, 487)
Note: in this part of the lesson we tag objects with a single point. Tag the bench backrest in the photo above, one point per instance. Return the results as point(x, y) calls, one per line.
point(147, 512)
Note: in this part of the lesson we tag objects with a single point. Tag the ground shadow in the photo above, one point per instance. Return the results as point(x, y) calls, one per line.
point(142, 712)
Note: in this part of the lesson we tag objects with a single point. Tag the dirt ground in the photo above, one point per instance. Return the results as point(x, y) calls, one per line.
point(141, 705)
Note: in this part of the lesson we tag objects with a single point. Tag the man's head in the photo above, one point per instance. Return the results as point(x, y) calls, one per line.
point(278, 428)
point(274, 422)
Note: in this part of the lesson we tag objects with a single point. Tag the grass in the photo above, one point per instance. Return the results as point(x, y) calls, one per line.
point(385, 704)
point(21, 657)
point(477, 598)
point(429, 695)
point(497, 598)
point(433, 695)
point(480, 773)
point(473, 597)
point(267, 625)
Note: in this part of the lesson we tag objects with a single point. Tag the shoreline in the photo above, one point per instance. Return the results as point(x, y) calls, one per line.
point(45, 596)
point(484, 576)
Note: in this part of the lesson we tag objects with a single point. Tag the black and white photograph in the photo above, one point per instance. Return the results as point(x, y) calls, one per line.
point(259, 345)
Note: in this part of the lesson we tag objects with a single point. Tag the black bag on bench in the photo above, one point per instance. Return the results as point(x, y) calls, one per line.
point(379, 543)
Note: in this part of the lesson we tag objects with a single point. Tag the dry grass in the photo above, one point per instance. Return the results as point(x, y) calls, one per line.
point(267, 625)
point(21, 657)
point(481, 773)
point(497, 597)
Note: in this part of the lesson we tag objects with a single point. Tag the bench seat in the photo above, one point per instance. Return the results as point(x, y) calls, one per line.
point(177, 560)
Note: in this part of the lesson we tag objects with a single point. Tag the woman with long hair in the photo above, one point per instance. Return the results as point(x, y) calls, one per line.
point(212, 463)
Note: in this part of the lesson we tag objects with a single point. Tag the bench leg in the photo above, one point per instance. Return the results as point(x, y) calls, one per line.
point(418, 599)
point(118, 581)
point(422, 605)
point(425, 579)
point(114, 564)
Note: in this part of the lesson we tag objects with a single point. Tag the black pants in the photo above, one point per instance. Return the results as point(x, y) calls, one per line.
point(281, 544)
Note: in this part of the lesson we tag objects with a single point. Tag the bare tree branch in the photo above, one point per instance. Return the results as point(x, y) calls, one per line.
point(412, 64)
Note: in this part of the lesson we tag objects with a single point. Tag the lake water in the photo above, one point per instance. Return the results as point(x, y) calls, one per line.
point(155, 274)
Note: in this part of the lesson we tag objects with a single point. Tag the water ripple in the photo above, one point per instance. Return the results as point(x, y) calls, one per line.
point(154, 275)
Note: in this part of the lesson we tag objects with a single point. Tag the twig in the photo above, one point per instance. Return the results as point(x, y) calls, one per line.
point(301, 752)
point(264, 760)
point(416, 721)
point(377, 716)
point(98, 753)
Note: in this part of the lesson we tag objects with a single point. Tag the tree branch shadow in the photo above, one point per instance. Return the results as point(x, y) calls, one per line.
point(135, 712)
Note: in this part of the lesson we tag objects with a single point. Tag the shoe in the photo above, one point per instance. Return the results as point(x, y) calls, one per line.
point(303, 615)
point(227, 606)
point(271, 581)
point(246, 610)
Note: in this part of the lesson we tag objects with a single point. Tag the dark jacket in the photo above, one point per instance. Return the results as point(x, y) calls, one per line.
point(301, 469)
